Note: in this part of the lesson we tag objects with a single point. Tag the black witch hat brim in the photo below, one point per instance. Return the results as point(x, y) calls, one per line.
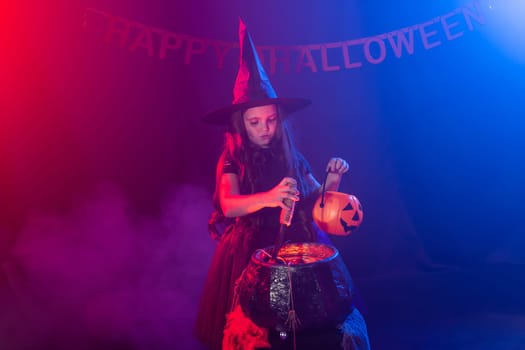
point(223, 115)
point(252, 86)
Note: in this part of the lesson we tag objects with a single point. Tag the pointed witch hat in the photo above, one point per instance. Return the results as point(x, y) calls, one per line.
point(252, 87)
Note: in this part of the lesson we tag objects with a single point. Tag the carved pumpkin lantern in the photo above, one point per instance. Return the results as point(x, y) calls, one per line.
point(338, 213)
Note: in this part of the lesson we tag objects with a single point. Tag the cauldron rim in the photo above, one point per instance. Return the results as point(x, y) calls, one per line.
point(256, 256)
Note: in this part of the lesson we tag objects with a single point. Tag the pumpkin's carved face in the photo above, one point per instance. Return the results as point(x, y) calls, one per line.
point(340, 215)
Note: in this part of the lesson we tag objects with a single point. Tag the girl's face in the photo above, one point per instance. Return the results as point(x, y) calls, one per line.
point(260, 124)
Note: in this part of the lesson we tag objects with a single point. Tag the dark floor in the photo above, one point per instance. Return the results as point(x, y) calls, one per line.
point(465, 309)
point(468, 309)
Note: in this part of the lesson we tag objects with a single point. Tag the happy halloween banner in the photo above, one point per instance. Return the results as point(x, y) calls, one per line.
point(163, 44)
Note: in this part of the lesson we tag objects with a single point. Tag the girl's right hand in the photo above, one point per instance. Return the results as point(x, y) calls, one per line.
point(286, 190)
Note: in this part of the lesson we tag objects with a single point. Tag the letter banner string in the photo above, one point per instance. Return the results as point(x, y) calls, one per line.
point(163, 44)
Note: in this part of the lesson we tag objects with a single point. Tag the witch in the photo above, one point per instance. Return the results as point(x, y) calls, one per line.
point(260, 173)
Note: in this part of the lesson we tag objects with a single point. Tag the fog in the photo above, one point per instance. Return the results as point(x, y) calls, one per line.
point(105, 276)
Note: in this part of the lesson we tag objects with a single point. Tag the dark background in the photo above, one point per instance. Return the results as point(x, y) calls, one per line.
point(89, 129)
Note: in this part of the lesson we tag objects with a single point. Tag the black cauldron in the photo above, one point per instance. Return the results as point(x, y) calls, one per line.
point(310, 278)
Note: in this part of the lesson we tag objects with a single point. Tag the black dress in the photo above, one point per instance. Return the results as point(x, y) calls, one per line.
point(242, 238)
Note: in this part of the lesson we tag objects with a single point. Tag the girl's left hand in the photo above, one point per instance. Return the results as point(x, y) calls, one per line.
point(337, 166)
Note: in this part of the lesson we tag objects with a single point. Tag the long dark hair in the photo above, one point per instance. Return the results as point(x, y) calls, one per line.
point(240, 150)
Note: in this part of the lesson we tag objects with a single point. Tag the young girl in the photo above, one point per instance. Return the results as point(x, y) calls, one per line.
point(259, 173)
